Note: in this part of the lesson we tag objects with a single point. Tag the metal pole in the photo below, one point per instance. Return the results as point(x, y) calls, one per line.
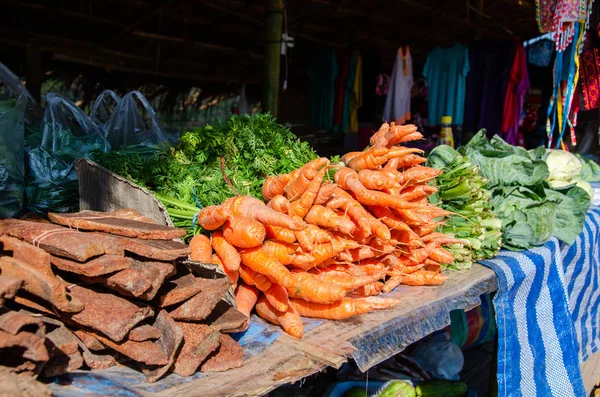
point(273, 24)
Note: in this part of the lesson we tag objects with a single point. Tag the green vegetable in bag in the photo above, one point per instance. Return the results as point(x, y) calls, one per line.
point(439, 388)
point(397, 388)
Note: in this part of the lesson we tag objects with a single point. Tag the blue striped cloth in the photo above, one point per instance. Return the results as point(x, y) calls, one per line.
point(547, 314)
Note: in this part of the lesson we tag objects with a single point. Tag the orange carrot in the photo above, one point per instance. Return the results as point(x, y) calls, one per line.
point(244, 232)
point(234, 275)
point(303, 261)
point(312, 236)
point(280, 234)
point(308, 287)
point(415, 136)
point(410, 160)
point(417, 191)
point(200, 248)
point(369, 289)
point(392, 165)
point(392, 283)
point(418, 174)
point(251, 277)
point(419, 255)
point(275, 185)
point(279, 204)
point(297, 187)
point(289, 320)
point(376, 138)
point(442, 256)
point(213, 217)
point(369, 160)
point(427, 228)
point(393, 135)
point(301, 207)
point(227, 252)
point(346, 280)
point(277, 297)
point(261, 262)
point(283, 252)
point(342, 309)
point(325, 217)
point(256, 209)
point(245, 300)
point(349, 156)
point(347, 179)
point(376, 180)
point(325, 192)
point(344, 201)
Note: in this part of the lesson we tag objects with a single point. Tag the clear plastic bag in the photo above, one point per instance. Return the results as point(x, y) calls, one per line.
point(126, 126)
point(102, 110)
point(13, 101)
point(439, 357)
point(68, 134)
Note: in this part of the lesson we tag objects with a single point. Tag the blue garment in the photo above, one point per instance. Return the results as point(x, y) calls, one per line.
point(446, 72)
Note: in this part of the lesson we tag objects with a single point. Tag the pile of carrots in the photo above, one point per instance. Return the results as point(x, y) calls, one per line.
point(324, 248)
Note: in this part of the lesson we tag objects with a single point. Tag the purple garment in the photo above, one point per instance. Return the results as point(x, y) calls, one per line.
point(490, 61)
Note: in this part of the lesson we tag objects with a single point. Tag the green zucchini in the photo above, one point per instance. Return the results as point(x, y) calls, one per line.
point(438, 388)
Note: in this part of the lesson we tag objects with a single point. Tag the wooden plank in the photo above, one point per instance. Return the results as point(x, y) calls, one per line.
point(590, 372)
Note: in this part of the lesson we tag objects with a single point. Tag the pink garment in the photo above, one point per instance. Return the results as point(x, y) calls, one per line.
point(518, 85)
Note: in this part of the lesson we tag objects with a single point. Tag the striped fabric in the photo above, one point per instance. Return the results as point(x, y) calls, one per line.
point(547, 314)
point(582, 268)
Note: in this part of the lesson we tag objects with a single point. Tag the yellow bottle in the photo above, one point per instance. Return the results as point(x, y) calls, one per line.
point(446, 136)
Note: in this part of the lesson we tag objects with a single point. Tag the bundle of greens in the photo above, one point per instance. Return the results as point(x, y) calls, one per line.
point(462, 191)
point(213, 163)
point(590, 170)
point(522, 197)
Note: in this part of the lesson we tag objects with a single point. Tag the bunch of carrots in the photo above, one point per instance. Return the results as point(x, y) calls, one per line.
point(324, 248)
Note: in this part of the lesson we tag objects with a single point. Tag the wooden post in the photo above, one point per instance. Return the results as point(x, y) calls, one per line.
point(273, 23)
point(33, 72)
point(478, 19)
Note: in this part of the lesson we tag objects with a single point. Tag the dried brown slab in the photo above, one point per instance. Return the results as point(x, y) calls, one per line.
point(102, 265)
point(24, 346)
point(201, 305)
point(89, 340)
point(159, 250)
point(103, 222)
point(178, 290)
point(54, 239)
point(108, 314)
point(226, 319)
point(169, 342)
point(21, 385)
point(33, 217)
point(199, 341)
point(34, 303)
point(62, 364)
point(96, 361)
point(61, 342)
point(142, 280)
point(9, 287)
point(132, 214)
point(144, 332)
point(30, 254)
point(45, 287)
point(112, 244)
point(229, 355)
point(143, 352)
point(15, 322)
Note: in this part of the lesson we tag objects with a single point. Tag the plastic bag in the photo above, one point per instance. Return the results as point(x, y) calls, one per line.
point(13, 100)
point(439, 357)
point(68, 134)
point(101, 111)
point(33, 111)
point(126, 126)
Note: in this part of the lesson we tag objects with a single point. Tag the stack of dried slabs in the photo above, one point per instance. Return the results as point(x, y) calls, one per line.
point(99, 288)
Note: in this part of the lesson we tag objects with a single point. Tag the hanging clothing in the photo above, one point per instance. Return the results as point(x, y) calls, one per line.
point(518, 84)
point(560, 17)
point(340, 88)
point(590, 79)
point(397, 102)
point(322, 71)
point(348, 93)
point(356, 98)
point(371, 67)
point(446, 71)
point(491, 61)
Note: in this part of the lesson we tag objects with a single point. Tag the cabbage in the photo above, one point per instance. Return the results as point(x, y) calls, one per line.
point(563, 166)
point(587, 187)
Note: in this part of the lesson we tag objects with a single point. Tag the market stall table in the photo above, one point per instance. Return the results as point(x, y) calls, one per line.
point(274, 358)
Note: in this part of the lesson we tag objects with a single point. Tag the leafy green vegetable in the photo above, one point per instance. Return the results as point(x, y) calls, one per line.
point(213, 163)
point(590, 170)
point(461, 190)
point(530, 209)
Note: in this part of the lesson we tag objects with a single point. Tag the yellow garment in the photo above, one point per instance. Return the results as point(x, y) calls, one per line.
point(356, 99)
